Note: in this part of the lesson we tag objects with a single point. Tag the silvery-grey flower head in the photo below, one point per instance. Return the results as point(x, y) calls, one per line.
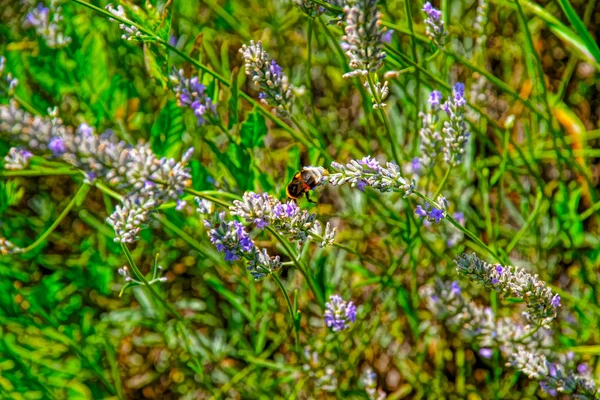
point(17, 159)
point(368, 172)
point(431, 138)
point(268, 76)
point(46, 22)
point(364, 37)
point(130, 217)
point(542, 304)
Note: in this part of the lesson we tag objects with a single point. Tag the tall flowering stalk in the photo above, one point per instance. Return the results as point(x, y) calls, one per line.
point(268, 76)
point(46, 21)
point(264, 210)
point(363, 41)
point(148, 180)
point(191, 93)
point(542, 304)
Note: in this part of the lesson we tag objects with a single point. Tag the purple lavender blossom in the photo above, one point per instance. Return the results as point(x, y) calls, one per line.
point(436, 214)
point(421, 212)
point(486, 353)
point(275, 69)
point(555, 301)
point(339, 313)
point(499, 269)
point(583, 369)
point(191, 93)
point(415, 165)
point(361, 185)
point(387, 36)
point(57, 146)
point(434, 99)
point(455, 288)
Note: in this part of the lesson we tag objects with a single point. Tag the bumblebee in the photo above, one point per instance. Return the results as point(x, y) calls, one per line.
point(306, 180)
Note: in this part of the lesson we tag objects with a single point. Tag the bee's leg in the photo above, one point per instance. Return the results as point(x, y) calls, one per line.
point(308, 198)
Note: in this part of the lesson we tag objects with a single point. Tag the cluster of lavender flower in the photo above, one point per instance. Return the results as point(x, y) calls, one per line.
point(264, 210)
point(268, 76)
point(231, 238)
point(435, 25)
point(542, 304)
point(369, 381)
point(191, 93)
point(46, 21)
point(432, 213)
point(148, 180)
point(452, 139)
point(339, 313)
point(369, 172)
point(527, 348)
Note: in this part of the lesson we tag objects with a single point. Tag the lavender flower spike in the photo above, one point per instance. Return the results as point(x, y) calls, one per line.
point(431, 138)
point(435, 26)
point(455, 131)
point(191, 93)
point(368, 172)
point(363, 41)
point(512, 281)
point(268, 76)
point(130, 31)
point(231, 238)
point(264, 210)
point(553, 377)
point(339, 313)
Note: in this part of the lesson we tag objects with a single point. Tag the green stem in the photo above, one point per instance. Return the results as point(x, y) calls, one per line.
point(290, 308)
point(82, 191)
point(303, 270)
point(528, 223)
point(384, 119)
point(444, 179)
point(139, 276)
point(40, 172)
